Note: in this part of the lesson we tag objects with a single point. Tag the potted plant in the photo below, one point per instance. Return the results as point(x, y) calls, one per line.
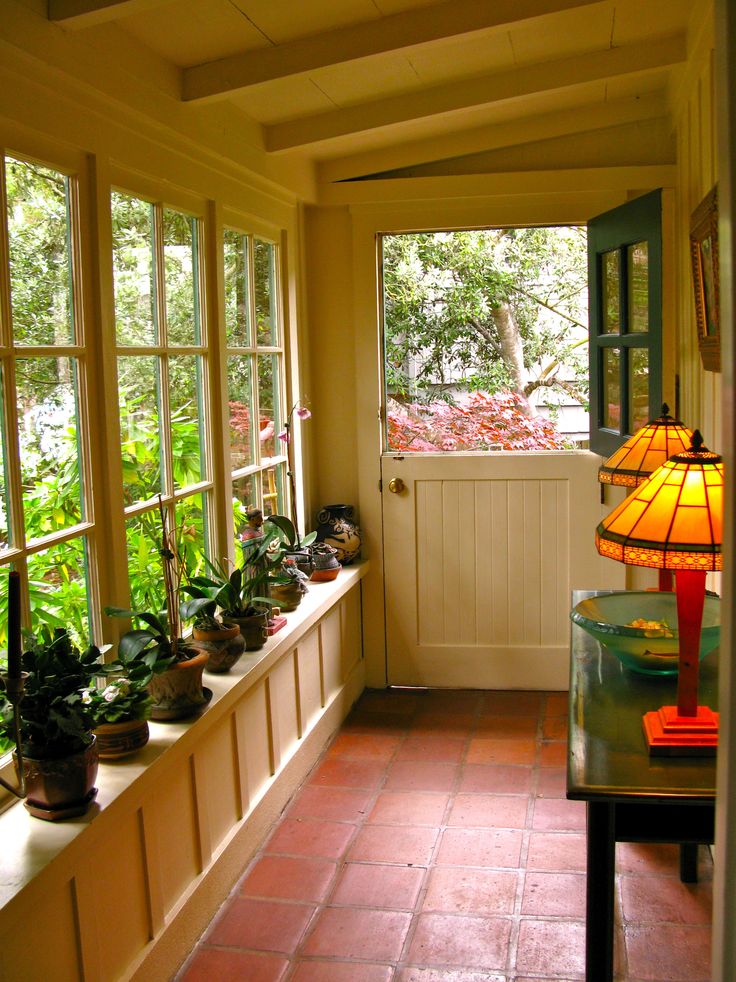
point(58, 748)
point(121, 709)
point(289, 586)
point(241, 594)
point(299, 549)
point(176, 666)
point(222, 643)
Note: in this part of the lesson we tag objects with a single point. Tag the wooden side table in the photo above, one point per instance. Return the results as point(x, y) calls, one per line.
point(630, 796)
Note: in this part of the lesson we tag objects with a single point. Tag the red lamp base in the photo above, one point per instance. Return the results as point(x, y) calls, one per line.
point(669, 734)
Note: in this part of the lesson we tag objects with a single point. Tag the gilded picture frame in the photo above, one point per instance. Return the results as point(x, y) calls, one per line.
point(704, 256)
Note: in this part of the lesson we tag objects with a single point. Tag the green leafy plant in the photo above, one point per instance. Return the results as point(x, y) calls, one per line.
point(289, 535)
point(56, 721)
point(124, 698)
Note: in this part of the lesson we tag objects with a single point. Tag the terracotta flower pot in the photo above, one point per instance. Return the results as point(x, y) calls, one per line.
point(289, 595)
point(223, 648)
point(253, 628)
point(177, 692)
point(62, 787)
point(121, 739)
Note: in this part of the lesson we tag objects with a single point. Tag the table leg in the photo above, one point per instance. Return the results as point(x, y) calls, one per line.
point(689, 862)
point(600, 892)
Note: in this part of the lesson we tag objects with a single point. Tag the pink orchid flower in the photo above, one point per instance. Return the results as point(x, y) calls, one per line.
point(302, 412)
point(284, 436)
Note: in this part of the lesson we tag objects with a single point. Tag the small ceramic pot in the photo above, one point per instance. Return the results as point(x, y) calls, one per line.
point(177, 692)
point(326, 565)
point(115, 740)
point(253, 628)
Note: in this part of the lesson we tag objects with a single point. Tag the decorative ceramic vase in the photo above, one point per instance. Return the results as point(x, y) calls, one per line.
point(177, 692)
point(326, 565)
point(338, 529)
point(223, 647)
point(62, 787)
point(121, 739)
point(253, 627)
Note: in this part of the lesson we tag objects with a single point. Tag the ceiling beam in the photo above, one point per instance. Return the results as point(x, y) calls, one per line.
point(495, 136)
point(394, 32)
point(506, 185)
point(78, 14)
point(478, 91)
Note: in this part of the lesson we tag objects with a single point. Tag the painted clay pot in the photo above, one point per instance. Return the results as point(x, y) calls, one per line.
point(326, 565)
point(338, 529)
point(177, 692)
point(223, 648)
point(253, 628)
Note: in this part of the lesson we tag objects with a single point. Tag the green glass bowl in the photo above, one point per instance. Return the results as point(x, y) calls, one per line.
point(652, 652)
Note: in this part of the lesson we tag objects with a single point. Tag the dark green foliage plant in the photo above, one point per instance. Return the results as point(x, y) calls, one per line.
point(55, 718)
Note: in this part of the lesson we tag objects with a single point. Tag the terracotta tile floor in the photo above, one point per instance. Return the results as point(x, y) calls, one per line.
point(433, 842)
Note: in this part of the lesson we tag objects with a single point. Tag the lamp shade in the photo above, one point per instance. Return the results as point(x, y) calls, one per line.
point(645, 451)
point(674, 519)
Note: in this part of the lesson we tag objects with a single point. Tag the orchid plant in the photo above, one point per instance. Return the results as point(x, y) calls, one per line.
point(301, 412)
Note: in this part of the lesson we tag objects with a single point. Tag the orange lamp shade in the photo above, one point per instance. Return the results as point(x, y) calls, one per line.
point(645, 451)
point(674, 519)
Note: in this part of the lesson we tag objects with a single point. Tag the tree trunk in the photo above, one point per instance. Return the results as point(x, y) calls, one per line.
point(512, 352)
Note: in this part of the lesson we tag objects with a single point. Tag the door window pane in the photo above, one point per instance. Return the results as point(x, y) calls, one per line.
point(48, 435)
point(187, 422)
point(611, 389)
point(638, 388)
point(133, 270)
point(265, 292)
point(181, 285)
point(637, 256)
point(140, 412)
point(237, 292)
point(610, 292)
point(239, 393)
point(39, 253)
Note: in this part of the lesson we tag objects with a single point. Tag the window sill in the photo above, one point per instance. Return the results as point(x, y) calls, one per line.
point(32, 845)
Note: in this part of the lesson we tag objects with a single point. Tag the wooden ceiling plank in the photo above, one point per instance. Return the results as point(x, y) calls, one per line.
point(394, 32)
point(477, 91)
point(494, 136)
point(78, 14)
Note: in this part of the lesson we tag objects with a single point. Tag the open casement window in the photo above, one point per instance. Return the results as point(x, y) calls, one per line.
point(255, 375)
point(47, 529)
point(161, 352)
point(625, 291)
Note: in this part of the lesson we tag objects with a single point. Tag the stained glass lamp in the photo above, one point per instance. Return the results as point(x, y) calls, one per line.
point(645, 451)
point(673, 520)
point(642, 454)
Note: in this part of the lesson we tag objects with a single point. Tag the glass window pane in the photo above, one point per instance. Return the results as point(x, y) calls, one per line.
point(637, 256)
point(193, 533)
point(638, 388)
point(244, 495)
point(237, 300)
point(240, 400)
point(133, 270)
point(269, 422)
point(180, 270)
point(5, 537)
point(139, 395)
point(39, 254)
point(610, 292)
point(611, 389)
point(272, 494)
point(265, 292)
point(46, 391)
point(187, 419)
point(57, 585)
point(143, 534)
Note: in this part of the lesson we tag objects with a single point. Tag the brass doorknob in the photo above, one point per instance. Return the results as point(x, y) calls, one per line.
point(396, 485)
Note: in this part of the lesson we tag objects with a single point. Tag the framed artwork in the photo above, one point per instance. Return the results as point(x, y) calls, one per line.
point(704, 255)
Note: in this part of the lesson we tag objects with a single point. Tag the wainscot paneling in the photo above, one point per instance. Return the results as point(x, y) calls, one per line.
point(125, 892)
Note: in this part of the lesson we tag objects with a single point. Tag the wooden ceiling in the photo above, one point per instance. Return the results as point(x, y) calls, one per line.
point(393, 87)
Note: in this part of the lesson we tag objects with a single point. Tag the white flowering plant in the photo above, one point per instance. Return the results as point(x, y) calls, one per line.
point(122, 699)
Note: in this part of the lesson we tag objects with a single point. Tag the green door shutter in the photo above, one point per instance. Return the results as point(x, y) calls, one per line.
point(625, 290)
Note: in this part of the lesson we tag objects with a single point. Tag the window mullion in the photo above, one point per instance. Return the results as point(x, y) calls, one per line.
point(167, 458)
